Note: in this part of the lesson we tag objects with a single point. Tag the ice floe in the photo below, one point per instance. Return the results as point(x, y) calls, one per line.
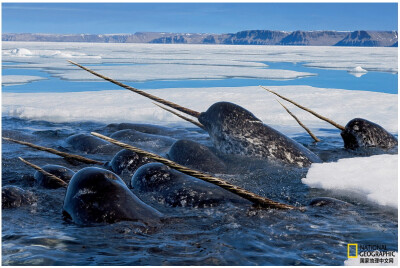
point(358, 71)
point(125, 106)
point(141, 73)
point(373, 178)
point(23, 53)
point(20, 52)
point(10, 80)
point(160, 61)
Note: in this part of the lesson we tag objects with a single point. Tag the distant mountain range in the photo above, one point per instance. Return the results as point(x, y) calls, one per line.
point(251, 37)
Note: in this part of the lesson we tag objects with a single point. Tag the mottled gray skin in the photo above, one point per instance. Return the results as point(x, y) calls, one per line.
point(234, 130)
point(13, 197)
point(128, 161)
point(96, 195)
point(195, 155)
point(361, 133)
point(59, 171)
point(90, 144)
point(328, 202)
point(179, 190)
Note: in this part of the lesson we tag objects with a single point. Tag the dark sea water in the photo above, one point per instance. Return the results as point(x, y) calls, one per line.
point(228, 234)
point(223, 235)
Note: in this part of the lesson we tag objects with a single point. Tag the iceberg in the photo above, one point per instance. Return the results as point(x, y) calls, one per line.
point(358, 71)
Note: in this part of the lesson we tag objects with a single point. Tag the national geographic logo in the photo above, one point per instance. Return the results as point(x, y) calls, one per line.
point(370, 253)
point(352, 250)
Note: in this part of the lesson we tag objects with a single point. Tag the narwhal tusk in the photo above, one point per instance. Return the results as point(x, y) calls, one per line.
point(308, 110)
point(53, 151)
point(44, 172)
point(300, 123)
point(181, 116)
point(252, 197)
point(141, 92)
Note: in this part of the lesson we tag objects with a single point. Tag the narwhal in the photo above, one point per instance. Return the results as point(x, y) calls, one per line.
point(235, 130)
point(358, 133)
point(13, 196)
point(94, 195)
point(85, 201)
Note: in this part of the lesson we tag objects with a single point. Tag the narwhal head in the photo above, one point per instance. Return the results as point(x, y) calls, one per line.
point(96, 195)
point(223, 116)
point(363, 133)
point(358, 133)
point(226, 119)
point(230, 127)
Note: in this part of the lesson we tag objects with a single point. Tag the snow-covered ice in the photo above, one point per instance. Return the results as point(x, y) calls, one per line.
point(141, 73)
point(21, 52)
point(373, 178)
point(10, 80)
point(147, 66)
point(125, 106)
point(143, 62)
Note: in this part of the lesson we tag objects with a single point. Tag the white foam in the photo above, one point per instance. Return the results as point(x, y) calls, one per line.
point(11, 80)
point(374, 178)
point(125, 106)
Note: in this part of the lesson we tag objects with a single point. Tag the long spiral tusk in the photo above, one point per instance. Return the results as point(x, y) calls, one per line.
point(300, 123)
point(181, 116)
point(141, 92)
point(252, 197)
point(44, 172)
point(308, 110)
point(54, 151)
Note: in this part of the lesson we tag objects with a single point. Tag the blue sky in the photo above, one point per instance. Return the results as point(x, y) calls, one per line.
point(99, 18)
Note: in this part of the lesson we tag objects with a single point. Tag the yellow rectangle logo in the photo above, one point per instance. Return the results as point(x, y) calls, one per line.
point(348, 250)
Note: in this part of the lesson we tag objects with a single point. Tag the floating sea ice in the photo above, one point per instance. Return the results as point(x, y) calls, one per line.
point(21, 52)
point(12, 80)
point(374, 178)
point(379, 59)
point(358, 71)
point(116, 106)
point(59, 54)
point(46, 53)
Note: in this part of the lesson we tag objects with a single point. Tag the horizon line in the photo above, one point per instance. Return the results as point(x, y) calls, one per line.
point(164, 32)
